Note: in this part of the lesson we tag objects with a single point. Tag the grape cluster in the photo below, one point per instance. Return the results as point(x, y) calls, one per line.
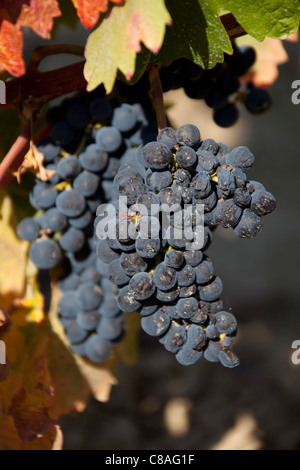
point(158, 273)
point(90, 314)
point(61, 233)
point(220, 87)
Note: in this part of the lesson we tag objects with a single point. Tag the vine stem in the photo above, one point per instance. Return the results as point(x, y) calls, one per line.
point(156, 95)
point(14, 158)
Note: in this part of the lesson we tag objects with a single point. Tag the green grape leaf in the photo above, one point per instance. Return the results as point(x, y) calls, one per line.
point(115, 43)
point(142, 60)
point(197, 33)
point(274, 18)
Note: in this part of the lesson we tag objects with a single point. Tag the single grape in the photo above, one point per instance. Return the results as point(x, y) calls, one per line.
point(97, 349)
point(86, 184)
point(156, 324)
point(28, 229)
point(157, 155)
point(68, 168)
point(187, 307)
point(164, 277)
point(141, 286)
point(45, 253)
point(72, 240)
point(89, 297)
point(70, 203)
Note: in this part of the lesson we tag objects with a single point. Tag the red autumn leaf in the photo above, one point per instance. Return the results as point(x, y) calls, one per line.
point(11, 45)
point(90, 10)
point(35, 14)
point(39, 15)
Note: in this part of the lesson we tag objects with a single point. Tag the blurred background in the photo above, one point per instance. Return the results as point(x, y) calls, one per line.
point(159, 404)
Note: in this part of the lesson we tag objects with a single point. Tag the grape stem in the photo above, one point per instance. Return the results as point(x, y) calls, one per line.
point(156, 95)
point(14, 158)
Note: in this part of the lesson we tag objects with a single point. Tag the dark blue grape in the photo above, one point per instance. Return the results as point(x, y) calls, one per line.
point(156, 324)
point(63, 133)
point(89, 297)
point(196, 337)
point(97, 349)
point(28, 229)
point(186, 308)
point(186, 156)
point(132, 263)
point(75, 334)
point(227, 115)
point(69, 168)
point(193, 257)
point(55, 221)
point(263, 203)
point(110, 329)
point(225, 322)
point(188, 135)
point(78, 116)
point(90, 274)
point(174, 259)
point(109, 139)
point(124, 117)
point(167, 136)
point(82, 222)
point(149, 306)
point(43, 196)
point(188, 291)
point(72, 240)
point(44, 253)
point(204, 271)
point(49, 149)
point(93, 159)
point(130, 187)
point(86, 184)
point(242, 198)
point(188, 356)
point(223, 152)
point(209, 145)
point(156, 155)
point(69, 283)
point(111, 169)
point(211, 353)
point(228, 359)
point(161, 180)
point(241, 157)
point(164, 277)
point(201, 185)
point(147, 248)
point(249, 226)
point(206, 162)
point(175, 338)
point(186, 276)
point(227, 213)
point(258, 101)
point(169, 295)
point(101, 109)
point(70, 203)
point(141, 286)
point(116, 274)
point(126, 302)
point(212, 291)
point(109, 307)
point(68, 306)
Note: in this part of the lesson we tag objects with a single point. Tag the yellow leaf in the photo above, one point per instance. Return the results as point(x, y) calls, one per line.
point(115, 43)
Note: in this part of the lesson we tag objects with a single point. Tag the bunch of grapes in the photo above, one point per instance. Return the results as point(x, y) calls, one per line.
point(162, 275)
point(101, 152)
point(221, 87)
point(61, 233)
